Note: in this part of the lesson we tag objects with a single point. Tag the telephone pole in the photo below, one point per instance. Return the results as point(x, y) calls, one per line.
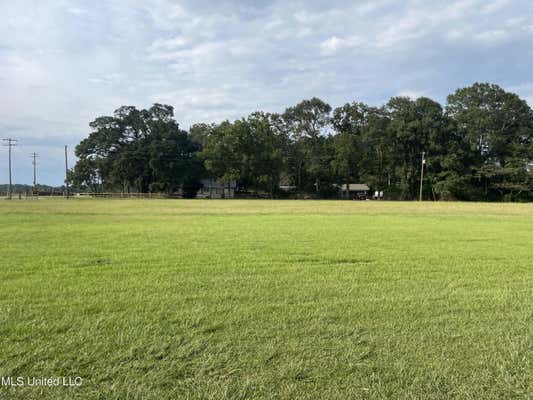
point(66, 171)
point(10, 143)
point(34, 163)
point(422, 173)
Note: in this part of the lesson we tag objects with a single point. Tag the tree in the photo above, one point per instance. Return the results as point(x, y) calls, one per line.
point(174, 162)
point(479, 148)
point(377, 153)
point(85, 175)
point(248, 151)
point(348, 122)
point(418, 126)
point(498, 128)
point(140, 149)
point(306, 125)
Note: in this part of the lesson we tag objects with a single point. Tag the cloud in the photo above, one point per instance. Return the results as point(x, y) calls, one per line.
point(412, 94)
point(493, 6)
point(492, 36)
point(334, 44)
point(77, 11)
point(175, 42)
point(64, 62)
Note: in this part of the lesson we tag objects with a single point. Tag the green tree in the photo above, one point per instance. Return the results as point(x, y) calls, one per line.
point(140, 149)
point(306, 125)
point(498, 128)
point(247, 151)
point(348, 122)
point(418, 126)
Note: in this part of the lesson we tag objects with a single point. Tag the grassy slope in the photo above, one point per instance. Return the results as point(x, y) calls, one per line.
point(260, 299)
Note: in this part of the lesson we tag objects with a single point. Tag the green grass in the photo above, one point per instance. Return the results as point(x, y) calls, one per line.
point(163, 299)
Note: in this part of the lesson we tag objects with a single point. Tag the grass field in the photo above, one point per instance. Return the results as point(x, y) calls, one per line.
point(163, 299)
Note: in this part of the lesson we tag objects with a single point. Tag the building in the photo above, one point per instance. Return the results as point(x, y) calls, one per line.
point(212, 189)
point(288, 188)
point(355, 191)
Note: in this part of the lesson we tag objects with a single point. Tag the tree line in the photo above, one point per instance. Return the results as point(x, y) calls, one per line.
point(478, 147)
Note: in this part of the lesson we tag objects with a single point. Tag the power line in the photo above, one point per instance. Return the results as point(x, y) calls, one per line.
point(34, 163)
point(422, 173)
point(10, 143)
point(66, 171)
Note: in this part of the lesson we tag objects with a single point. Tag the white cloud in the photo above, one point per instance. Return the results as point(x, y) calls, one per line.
point(108, 79)
point(516, 22)
point(491, 36)
point(77, 11)
point(168, 44)
point(495, 5)
point(165, 14)
point(408, 28)
point(334, 44)
point(455, 34)
point(412, 94)
point(64, 62)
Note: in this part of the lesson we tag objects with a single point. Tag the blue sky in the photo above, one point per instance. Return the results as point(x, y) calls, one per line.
point(62, 63)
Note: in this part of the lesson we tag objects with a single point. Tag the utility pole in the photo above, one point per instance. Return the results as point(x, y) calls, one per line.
point(34, 162)
point(66, 171)
point(10, 143)
point(422, 173)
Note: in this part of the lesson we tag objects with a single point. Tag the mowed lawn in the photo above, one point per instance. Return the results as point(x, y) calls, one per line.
point(176, 299)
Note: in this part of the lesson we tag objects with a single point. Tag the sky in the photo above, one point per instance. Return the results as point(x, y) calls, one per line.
point(63, 63)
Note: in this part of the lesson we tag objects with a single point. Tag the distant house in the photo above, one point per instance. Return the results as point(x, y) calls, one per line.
point(288, 188)
point(356, 191)
point(212, 189)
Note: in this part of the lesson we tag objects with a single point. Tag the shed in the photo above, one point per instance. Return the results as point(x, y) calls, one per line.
point(356, 191)
point(213, 189)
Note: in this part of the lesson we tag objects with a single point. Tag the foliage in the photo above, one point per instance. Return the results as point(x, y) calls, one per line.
point(248, 151)
point(140, 150)
point(479, 147)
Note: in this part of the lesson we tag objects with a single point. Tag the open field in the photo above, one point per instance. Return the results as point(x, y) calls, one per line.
point(175, 299)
